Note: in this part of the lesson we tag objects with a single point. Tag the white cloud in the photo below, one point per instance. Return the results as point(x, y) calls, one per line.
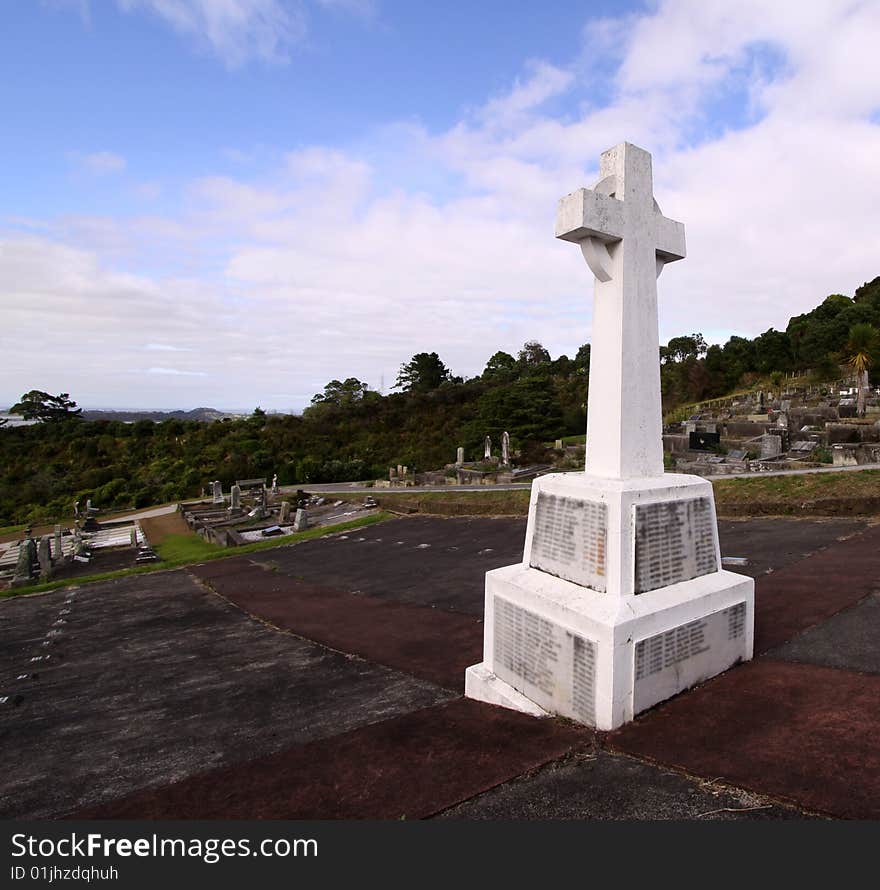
point(335, 264)
point(236, 30)
point(102, 162)
point(175, 372)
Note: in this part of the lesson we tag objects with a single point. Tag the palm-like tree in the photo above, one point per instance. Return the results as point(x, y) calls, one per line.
point(861, 350)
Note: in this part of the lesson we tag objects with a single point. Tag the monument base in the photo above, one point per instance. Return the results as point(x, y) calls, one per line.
point(610, 644)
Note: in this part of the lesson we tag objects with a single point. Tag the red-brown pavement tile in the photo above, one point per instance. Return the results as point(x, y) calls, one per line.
point(803, 733)
point(411, 766)
point(806, 593)
point(431, 644)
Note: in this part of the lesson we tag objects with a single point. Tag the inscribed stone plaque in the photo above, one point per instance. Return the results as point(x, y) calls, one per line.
point(550, 665)
point(671, 661)
point(675, 541)
point(569, 539)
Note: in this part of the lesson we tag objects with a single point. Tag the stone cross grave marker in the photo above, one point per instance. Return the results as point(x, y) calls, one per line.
point(626, 241)
point(620, 600)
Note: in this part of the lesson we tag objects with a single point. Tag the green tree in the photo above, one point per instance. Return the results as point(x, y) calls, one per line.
point(422, 373)
point(341, 393)
point(38, 405)
point(502, 366)
point(861, 350)
point(533, 353)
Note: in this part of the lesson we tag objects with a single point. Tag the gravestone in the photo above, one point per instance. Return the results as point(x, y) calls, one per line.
point(27, 555)
point(58, 547)
point(620, 600)
point(44, 557)
point(487, 448)
point(459, 456)
point(284, 513)
point(301, 521)
point(771, 446)
point(235, 497)
point(134, 538)
point(218, 492)
point(505, 448)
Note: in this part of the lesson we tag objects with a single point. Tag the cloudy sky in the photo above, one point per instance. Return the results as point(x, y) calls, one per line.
point(232, 202)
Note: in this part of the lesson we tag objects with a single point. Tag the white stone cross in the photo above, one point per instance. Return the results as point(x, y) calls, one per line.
point(626, 241)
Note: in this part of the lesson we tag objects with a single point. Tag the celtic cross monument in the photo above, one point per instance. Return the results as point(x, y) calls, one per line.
point(620, 600)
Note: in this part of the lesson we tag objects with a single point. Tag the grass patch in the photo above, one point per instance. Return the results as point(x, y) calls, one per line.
point(11, 529)
point(183, 549)
point(186, 552)
point(848, 493)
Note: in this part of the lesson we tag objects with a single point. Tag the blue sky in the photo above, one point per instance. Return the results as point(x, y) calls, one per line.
point(231, 202)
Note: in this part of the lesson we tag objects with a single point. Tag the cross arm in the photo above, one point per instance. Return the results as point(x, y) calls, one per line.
point(588, 214)
point(669, 239)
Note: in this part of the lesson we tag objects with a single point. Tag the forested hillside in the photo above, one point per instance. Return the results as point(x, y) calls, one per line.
point(351, 432)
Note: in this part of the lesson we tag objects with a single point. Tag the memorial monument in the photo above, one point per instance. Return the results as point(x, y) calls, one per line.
point(620, 600)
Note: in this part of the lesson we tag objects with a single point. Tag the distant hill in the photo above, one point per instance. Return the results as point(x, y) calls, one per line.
point(203, 415)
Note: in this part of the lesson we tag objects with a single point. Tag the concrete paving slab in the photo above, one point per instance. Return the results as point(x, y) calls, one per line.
point(810, 591)
point(153, 678)
point(407, 767)
point(432, 644)
point(600, 785)
point(427, 561)
point(801, 733)
point(772, 544)
point(850, 640)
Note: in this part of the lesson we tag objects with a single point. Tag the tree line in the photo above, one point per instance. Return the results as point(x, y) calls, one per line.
point(351, 432)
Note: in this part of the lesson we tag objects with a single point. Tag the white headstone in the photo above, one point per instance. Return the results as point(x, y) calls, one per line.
point(505, 448)
point(459, 456)
point(218, 492)
point(487, 448)
point(620, 600)
point(235, 497)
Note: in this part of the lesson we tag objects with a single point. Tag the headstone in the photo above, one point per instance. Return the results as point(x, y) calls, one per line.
point(58, 547)
point(505, 448)
point(284, 513)
point(301, 521)
point(771, 446)
point(217, 486)
point(27, 554)
point(44, 556)
point(392, 474)
point(619, 601)
point(274, 483)
point(235, 497)
point(400, 470)
point(459, 456)
point(76, 509)
point(487, 448)
point(558, 444)
point(134, 537)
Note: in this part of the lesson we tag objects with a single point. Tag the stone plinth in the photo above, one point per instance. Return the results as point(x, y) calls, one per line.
point(619, 603)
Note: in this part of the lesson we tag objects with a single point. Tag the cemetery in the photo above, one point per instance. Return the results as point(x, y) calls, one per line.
point(619, 652)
